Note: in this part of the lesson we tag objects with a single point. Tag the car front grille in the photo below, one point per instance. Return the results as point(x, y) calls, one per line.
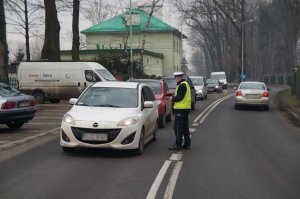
point(111, 134)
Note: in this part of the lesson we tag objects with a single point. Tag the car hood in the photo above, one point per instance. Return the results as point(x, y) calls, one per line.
point(105, 114)
point(212, 85)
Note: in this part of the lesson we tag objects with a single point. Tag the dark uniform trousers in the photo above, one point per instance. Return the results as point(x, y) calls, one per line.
point(181, 127)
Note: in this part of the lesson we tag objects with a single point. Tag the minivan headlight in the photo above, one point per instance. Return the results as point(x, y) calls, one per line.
point(129, 121)
point(68, 119)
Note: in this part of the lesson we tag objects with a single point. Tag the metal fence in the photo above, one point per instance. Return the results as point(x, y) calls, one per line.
point(282, 79)
point(12, 81)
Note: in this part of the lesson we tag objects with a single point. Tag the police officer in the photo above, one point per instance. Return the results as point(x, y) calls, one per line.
point(182, 106)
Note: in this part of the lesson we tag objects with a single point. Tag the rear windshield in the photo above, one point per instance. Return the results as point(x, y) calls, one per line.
point(218, 76)
point(257, 86)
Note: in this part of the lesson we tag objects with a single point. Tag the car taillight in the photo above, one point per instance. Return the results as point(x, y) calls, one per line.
point(32, 103)
point(8, 105)
point(238, 93)
point(266, 94)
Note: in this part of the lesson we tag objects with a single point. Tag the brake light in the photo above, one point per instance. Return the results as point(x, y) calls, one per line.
point(238, 93)
point(266, 94)
point(8, 105)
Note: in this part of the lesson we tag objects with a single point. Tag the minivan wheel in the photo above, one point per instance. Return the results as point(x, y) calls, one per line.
point(39, 97)
point(140, 149)
point(15, 125)
point(162, 120)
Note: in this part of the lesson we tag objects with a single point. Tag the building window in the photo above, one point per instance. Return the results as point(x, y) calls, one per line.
point(120, 46)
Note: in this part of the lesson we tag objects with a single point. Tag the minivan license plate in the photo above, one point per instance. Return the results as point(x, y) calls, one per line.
point(94, 137)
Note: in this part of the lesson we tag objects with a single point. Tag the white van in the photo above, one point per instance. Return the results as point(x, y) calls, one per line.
point(221, 76)
point(59, 80)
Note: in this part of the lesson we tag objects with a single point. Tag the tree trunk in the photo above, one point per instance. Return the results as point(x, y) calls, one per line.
point(3, 43)
point(51, 48)
point(27, 31)
point(75, 29)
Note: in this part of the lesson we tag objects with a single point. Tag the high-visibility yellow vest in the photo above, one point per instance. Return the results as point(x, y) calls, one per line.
point(186, 102)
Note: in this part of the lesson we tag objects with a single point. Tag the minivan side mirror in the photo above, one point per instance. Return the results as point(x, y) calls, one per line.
point(73, 101)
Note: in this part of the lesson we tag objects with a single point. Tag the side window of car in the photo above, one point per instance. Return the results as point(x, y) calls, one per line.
point(148, 94)
point(90, 76)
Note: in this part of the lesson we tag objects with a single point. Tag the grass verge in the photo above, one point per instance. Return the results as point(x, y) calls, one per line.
point(288, 101)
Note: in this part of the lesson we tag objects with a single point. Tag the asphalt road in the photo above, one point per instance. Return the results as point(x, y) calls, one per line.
point(248, 153)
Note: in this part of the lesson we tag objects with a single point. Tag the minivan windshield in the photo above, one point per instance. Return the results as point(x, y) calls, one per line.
point(218, 76)
point(106, 74)
point(197, 81)
point(109, 97)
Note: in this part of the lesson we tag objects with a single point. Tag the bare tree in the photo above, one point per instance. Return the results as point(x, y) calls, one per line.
point(23, 16)
point(75, 30)
point(97, 11)
point(3, 42)
point(51, 48)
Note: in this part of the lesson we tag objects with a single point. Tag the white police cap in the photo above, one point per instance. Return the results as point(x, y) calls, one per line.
point(178, 74)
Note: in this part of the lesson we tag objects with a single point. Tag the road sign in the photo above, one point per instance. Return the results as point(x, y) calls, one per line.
point(242, 76)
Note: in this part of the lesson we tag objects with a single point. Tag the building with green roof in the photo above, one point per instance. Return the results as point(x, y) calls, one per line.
point(162, 53)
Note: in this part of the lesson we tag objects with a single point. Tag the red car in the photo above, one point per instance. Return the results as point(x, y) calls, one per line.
point(163, 96)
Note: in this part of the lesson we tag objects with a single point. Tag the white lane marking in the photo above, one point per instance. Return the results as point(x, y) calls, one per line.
point(155, 186)
point(211, 106)
point(171, 186)
point(195, 124)
point(192, 130)
point(176, 156)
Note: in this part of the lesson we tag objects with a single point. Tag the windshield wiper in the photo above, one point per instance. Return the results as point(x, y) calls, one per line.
point(106, 105)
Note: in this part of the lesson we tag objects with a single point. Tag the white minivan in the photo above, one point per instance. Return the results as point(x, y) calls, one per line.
point(221, 76)
point(54, 81)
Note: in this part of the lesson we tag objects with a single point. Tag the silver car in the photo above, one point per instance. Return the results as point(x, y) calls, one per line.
point(252, 93)
point(16, 108)
point(200, 86)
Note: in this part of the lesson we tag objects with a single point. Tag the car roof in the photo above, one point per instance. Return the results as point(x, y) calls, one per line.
point(145, 80)
point(252, 82)
point(117, 84)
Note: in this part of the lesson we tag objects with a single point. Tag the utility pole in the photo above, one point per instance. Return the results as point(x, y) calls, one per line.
point(130, 21)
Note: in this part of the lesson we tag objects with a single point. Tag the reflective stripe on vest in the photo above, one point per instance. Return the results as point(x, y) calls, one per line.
point(186, 102)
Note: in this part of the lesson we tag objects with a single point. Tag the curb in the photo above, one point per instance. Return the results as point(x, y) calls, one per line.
point(293, 114)
point(28, 139)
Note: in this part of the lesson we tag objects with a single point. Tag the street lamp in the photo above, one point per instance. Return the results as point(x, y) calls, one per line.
point(243, 23)
point(242, 30)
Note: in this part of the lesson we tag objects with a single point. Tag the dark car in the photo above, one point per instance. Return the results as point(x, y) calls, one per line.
point(16, 108)
point(172, 86)
point(160, 90)
point(214, 85)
